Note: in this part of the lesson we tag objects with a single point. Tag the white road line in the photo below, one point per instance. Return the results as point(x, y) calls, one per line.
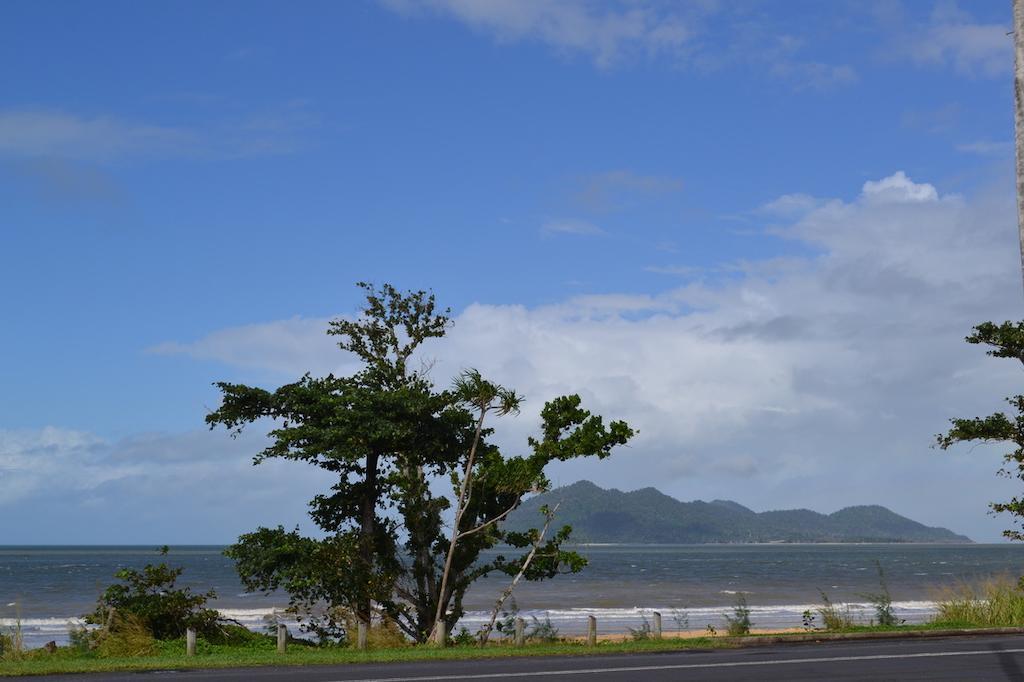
point(683, 666)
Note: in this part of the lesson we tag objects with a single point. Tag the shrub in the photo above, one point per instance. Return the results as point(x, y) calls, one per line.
point(150, 596)
point(80, 639)
point(542, 631)
point(807, 619)
point(882, 602)
point(463, 637)
point(739, 622)
point(641, 633)
point(506, 625)
point(384, 633)
point(12, 644)
point(7, 648)
point(126, 637)
point(682, 619)
point(835, 617)
point(997, 602)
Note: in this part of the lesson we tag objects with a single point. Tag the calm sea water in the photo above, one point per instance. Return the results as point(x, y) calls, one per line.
point(50, 587)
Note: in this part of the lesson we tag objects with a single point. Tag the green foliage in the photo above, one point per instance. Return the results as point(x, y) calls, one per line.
point(384, 433)
point(641, 633)
point(738, 622)
point(542, 630)
point(151, 597)
point(681, 619)
point(126, 637)
point(833, 617)
point(80, 639)
point(998, 602)
point(463, 638)
point(506, 624)
point(882, 601)
point(314, 572)
point(12, 642)
point(807, 620)
point(1006, 340)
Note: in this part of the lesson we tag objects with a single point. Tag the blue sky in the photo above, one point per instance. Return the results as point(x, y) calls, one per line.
point(189, 190)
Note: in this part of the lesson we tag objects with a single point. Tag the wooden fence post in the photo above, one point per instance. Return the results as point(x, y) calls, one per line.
point(190, 642)
point(591, 631)
point(361, 635)
point(282, 638)
point(656, 631)
point(520, 632)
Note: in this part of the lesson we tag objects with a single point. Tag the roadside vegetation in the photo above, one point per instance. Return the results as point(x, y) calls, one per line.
point(997, 602)
point(124, 642)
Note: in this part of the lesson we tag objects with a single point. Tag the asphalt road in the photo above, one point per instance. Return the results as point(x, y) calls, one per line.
point(954, 658)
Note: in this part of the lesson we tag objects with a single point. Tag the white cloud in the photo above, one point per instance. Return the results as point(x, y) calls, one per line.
point(285, 346)
point(822, 378)
point(610, 33)
point(952, 37)
point(898, 188)
point(602, 32)
point(986, 148)
point(34, 133)
point(678, 270)
point(613, 189)
point(41, 133)
point(790, 205)
point(570, 226)
point(64, 486)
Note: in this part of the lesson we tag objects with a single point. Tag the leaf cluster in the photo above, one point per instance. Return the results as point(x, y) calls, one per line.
point(151, 597)
point(1006, 340)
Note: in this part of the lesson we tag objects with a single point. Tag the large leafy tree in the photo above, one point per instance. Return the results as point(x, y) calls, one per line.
point(1005, 340)
point(390, 437)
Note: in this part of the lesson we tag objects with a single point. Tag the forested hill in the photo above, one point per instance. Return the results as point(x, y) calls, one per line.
point(649, 516)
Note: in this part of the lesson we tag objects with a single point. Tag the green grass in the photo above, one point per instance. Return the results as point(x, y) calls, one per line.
point(171, 655)
point(998, 602)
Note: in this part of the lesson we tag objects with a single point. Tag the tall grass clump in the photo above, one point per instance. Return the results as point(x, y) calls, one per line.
point(997, 602)
point(12, 642)
point(882, 601)
point(739, 622)
point(383, 632)
point(835, 616)
point(125, 637)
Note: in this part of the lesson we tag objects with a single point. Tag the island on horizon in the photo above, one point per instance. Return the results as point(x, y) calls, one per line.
point(648, 516)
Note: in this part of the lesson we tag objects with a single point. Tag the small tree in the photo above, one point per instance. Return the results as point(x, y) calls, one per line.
point(537, 537)
point(482, 397)
point(1005, 340)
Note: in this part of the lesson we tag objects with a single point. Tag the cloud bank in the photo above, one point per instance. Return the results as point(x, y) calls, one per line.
point(816, 381)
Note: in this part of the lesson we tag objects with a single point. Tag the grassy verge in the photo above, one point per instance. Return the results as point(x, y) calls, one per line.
point(171, 655)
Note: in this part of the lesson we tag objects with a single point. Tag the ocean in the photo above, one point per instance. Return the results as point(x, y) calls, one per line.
point(48, 588)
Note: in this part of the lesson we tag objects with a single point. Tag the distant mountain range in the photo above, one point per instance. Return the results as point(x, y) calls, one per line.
point(650, 516)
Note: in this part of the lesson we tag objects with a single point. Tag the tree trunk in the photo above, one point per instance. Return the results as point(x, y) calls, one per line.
point(367, 531)
point(507, 592)
point(1018, 118)
point(439, 635)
